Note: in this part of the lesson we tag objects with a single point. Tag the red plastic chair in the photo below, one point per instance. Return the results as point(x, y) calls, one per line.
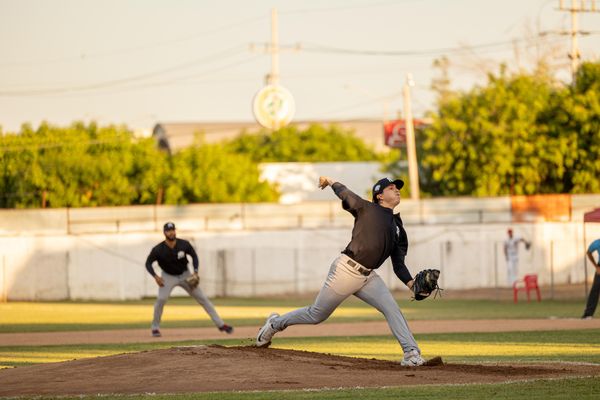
point(528, 283)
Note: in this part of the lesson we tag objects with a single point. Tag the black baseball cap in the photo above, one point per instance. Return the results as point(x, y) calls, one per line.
point(383, 183)
point(169, 226)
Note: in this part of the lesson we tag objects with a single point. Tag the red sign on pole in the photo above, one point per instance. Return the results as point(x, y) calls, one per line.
point(394, 133)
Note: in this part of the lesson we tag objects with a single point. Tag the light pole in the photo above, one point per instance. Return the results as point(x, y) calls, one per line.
point(413, 171)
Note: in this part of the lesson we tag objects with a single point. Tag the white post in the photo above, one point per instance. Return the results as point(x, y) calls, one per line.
point(574, 47)
point(274, 50)
point(413, 172)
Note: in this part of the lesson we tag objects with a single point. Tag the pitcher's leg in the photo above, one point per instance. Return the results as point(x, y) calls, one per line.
point(341, 282)
point(326, 302)
point(163, 295)
point(377, 294)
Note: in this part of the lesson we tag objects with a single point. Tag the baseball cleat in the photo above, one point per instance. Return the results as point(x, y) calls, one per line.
point(412, 359)
point(156, 333)
point(227, 329)
point(265, 334)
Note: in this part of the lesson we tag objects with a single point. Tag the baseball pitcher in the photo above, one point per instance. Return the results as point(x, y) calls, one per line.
point(378, 233)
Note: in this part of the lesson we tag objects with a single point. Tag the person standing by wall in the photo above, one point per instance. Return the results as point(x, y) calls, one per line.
point(511, 254)
point(592, 301)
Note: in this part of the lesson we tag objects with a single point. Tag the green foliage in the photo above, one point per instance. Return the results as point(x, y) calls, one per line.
point(520, 134)
point(210, 173)
point(313, 144)
point(75, 166)
point(87, 165)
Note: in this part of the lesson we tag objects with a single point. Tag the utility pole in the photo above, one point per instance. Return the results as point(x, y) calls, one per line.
point(274, 49)
point(273, 77)
point(273, 105)
point(411, 149)
point(576, 7)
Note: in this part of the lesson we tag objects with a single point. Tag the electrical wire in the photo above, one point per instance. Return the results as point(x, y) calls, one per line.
point(318, 48)
point(123, 81)
point(130, 50)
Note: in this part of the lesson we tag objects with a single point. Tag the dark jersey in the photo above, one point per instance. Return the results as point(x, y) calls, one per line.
point(377, 234)
point(172, 260)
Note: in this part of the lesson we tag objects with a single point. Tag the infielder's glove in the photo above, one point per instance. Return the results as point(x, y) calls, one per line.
point(426, 282)
point(193, 280)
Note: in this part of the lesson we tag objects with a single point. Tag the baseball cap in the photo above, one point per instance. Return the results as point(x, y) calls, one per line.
point(383, 183)
point(169, 226)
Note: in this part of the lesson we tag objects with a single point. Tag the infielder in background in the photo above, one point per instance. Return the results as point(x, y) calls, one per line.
point(592, 301)
point(171, 256)
point(511, 254)
point(377, 234)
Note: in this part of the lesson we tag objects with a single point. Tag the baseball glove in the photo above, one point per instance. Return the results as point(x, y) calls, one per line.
point(426, 282)
point(193, 280)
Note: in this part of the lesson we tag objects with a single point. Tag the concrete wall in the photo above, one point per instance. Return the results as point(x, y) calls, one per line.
point(249, 262)
point(262, 249)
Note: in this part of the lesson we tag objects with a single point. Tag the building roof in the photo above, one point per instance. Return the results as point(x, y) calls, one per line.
point(174, 136)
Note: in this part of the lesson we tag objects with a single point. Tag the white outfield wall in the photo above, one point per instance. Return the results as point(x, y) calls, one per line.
point(98, 266)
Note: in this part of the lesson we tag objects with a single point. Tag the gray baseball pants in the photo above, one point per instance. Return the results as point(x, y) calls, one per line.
point(342, 281)
point(179, 280)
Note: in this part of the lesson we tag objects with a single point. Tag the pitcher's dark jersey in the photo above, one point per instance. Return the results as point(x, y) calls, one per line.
point(377, 234)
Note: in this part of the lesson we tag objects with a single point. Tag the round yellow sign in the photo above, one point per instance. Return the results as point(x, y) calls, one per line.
point(273, 107)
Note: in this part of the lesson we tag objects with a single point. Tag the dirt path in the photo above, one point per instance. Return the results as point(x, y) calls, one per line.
point(325, 329)
point(216, 368)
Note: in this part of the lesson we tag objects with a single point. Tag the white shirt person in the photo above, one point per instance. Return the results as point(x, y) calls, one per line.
point(511, 254)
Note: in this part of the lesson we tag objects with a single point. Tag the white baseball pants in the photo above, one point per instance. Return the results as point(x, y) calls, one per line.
point(343, 281)
point(165, 291)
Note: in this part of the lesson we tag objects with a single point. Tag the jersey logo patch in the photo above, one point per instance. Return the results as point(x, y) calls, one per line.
point(180, 255)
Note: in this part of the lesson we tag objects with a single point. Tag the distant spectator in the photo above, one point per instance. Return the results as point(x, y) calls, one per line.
point(592, 301)
point(511, 254)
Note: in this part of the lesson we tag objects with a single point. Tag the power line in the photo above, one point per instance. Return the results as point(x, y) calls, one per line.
point(370, 4)
point(182, 79)
point(318, 48)
point(129, 50)
point(131, 79)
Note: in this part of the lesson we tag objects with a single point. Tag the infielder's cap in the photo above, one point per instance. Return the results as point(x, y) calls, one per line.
point(383, 183)
point(169, 226)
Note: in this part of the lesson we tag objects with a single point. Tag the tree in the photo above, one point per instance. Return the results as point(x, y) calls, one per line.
point(211, 173)
point(485, 142)
point(81, 165)
point(313, 144)
point(519, 134)
point(574, 120)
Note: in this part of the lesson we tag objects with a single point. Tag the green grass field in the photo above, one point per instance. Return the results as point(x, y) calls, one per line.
point(514, 347)
point(560, 389)
point(183, 312)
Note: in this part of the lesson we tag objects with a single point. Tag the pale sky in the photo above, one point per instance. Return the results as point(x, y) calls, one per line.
point(140, 62)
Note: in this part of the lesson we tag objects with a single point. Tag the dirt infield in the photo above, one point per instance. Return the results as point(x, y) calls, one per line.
point(325, 329)
point(217, 368)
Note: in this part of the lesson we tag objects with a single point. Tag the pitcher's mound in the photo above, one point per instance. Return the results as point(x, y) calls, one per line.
point(218, 368)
